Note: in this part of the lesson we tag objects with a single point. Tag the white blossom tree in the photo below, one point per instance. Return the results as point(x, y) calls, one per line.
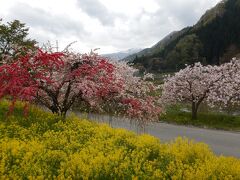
point(227, 91)
point(194, 84)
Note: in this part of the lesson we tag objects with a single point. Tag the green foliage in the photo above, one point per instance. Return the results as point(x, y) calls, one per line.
point(187, 51)
point(44, 147)
point(13, 39)
point(211, 14)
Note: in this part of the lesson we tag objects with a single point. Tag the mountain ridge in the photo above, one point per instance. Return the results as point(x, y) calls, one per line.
point(214, 39)
point(121, 54)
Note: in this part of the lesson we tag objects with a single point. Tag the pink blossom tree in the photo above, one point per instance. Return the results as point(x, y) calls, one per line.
point(58, 80)
point(194, 84)
point(136, 98)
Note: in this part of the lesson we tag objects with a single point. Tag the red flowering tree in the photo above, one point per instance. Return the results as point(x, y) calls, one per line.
point(58, 80)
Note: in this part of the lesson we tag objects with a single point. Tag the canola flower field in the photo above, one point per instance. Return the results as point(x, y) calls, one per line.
point(42, 146)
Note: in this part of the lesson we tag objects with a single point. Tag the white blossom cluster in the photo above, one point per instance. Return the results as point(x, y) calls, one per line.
point(197, 83)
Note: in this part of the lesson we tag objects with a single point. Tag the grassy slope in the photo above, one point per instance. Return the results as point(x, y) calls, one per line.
point(205, 119)
point(42, 146)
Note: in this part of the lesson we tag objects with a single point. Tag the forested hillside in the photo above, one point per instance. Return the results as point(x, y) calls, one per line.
point(214, 39)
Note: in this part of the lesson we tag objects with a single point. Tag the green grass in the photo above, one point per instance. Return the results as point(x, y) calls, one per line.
point(205, 119)
point(34, 115)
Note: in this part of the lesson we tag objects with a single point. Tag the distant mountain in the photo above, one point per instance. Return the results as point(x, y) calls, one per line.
point(214, 39)
point(122, 54)
point(157, 47)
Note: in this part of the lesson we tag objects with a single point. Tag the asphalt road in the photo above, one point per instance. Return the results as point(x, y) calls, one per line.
point(221, 142)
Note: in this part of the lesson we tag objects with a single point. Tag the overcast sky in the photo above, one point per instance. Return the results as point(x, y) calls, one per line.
point(111, 25)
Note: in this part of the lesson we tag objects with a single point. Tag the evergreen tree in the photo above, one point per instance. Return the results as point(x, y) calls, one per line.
point(14, 40)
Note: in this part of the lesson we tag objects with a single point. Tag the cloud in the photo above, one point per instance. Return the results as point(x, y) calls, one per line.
point(40, 19)
point(110, 25)
point(97, 10)
point(186, 12)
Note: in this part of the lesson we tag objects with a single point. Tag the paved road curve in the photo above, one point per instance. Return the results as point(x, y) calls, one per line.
point(221, 142)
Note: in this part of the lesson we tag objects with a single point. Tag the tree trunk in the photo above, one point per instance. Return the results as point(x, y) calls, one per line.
point(63, 114)
point(59, 112)
point(110, 120)
point(54, 110)
point(194, 110)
